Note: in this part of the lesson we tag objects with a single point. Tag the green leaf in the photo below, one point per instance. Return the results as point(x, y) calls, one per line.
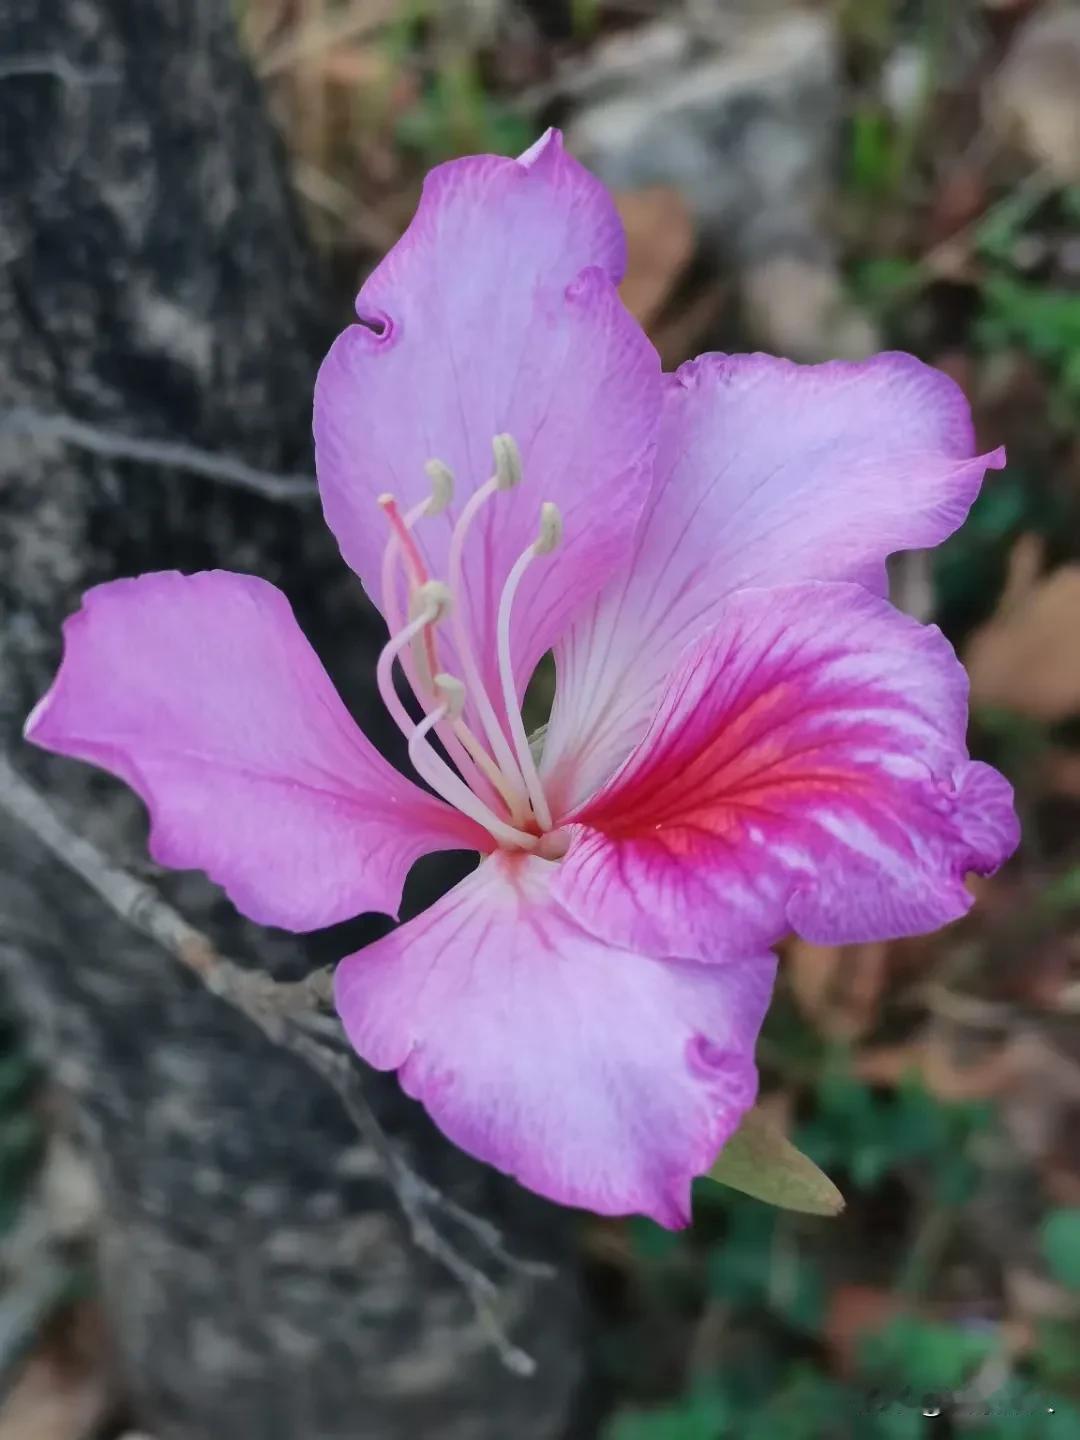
point(1057, 1347)
point(696, 1417)
point(925, 1356)
point(760, 1161)
point(1061, 1246)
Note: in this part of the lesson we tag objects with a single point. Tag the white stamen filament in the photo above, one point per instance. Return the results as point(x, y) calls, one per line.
point(507, 769)
point(550, 535)
point(500, 748)
point(466, 751)
point(433, 601)
point(416, 659)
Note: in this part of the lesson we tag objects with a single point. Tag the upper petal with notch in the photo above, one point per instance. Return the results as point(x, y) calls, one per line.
point(496, 313)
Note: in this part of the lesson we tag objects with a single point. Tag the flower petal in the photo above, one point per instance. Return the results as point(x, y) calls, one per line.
point(597, 1077)
point(768, 473)
point(806, 770)
point(202, 694)
point(496, 313)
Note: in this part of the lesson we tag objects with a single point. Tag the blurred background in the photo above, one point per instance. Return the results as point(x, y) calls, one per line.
point(812, 179)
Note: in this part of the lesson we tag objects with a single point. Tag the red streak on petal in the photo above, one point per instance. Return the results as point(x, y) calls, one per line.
point(768, 756)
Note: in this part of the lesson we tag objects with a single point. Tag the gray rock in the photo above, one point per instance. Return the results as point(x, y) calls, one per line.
point(743, 117)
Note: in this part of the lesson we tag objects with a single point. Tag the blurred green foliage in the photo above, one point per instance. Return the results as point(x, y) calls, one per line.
point(771, 1274)
point(454, 113)
point(1060, 1237)
point(456, 116)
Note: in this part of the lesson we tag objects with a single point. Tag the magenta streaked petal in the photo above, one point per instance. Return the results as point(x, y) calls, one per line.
point(806, 770)
point(596, 1076)
point(768, 473)
point(497, 313)
point(201, 692)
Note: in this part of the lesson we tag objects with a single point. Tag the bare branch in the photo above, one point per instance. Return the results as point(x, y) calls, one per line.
point(56, 67)
point(280, 1011)
point(225, 469)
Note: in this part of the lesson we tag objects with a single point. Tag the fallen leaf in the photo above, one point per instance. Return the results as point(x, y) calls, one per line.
point(660, 243)
point(1034, 97)
point(1037, 1297)
point(837, 987)
point(854, 1312)
point(928, 1057)
point(1026, 658)
point(682, 330)
point(760, 1160)
point(1059, 772)
point(64, 1390)
point(799, 307)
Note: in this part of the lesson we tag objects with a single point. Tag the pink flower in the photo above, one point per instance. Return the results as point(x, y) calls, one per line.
point(746, 737)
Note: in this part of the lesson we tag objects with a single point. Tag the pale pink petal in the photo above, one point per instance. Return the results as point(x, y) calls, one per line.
point(496, 313)
point(597, 1077)
point(768, 473)
point(202, 694)
point(592, 232)
point(806, 770)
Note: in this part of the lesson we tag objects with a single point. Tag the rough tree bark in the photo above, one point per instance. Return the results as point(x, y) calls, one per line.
point(155, 282)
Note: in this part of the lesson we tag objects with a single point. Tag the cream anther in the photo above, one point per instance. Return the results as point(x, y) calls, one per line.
point(550, 529)
point(442, 486)
point(452, 692)
point(508, 467)
point(433, 596)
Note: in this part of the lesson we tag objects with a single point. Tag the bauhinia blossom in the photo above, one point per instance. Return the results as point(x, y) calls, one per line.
point(747, 738)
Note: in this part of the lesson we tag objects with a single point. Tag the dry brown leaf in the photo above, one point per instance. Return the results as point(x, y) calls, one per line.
point(660, 242)
point(64, 1390)
point(838, 987)
point(800, 307)
point(681, 333)
point(946, 1079)
point(1038, 1298)
point(1026, 658)
point(1034, 99)
point(1059, 772)
point(854, 1312)
point(359, 66)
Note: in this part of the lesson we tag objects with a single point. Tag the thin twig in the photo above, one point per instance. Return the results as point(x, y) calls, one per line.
point(223, 468)
point(56, 67)
point(280, 1010)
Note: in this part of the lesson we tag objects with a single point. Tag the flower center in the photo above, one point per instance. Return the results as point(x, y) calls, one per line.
point(493, 777)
